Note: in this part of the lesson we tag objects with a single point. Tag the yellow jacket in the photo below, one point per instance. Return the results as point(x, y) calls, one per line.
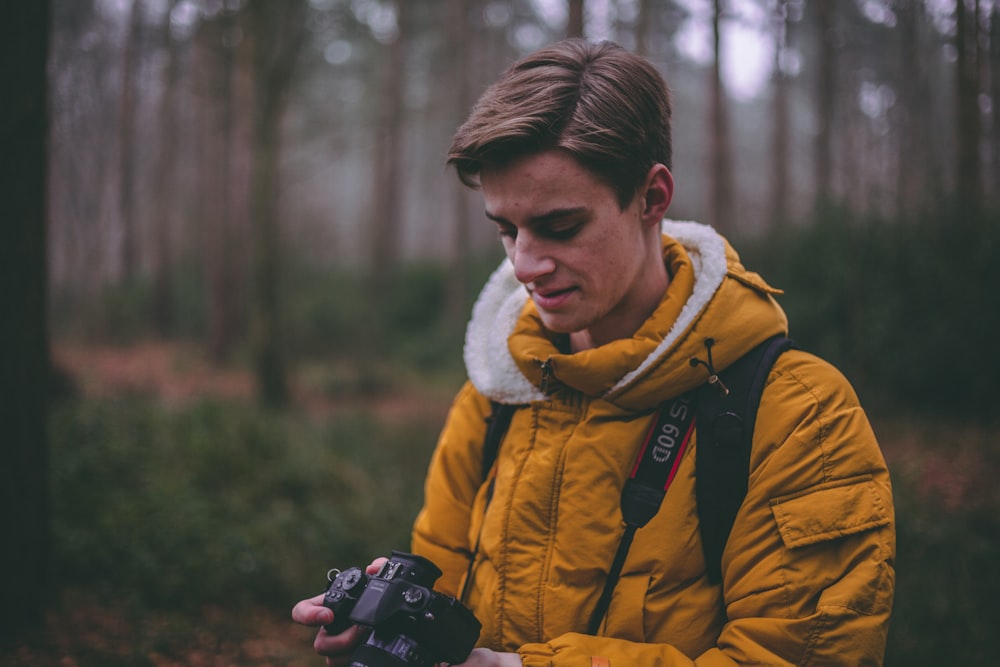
point(808, 570)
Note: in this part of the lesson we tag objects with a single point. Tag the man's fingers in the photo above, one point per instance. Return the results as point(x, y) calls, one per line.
point(336, 646)
point(376, 565)
point(312, 612)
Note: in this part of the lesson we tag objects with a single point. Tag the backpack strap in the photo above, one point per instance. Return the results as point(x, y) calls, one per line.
point(496, 427)
point(725, 426)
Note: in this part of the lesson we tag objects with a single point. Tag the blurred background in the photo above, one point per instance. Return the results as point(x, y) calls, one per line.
point(235, 274)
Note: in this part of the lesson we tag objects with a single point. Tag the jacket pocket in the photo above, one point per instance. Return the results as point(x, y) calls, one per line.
point(830, 510)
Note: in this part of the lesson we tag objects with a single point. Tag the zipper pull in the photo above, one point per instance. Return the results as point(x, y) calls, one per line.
point(546, 376)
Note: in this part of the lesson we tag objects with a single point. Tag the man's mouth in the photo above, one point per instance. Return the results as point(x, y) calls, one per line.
point(549, 299)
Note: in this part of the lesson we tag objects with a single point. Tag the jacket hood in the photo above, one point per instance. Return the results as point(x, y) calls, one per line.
point(711, 295)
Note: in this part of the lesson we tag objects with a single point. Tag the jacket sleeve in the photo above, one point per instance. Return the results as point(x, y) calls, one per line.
point(808, 572)
point(441, 530)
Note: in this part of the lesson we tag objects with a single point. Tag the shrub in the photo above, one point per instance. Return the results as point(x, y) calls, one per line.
point(222, 503)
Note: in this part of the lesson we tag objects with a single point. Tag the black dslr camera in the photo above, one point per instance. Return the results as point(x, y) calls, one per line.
point(411, 624)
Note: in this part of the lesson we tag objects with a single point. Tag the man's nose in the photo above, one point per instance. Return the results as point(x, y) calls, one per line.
point(531, 260)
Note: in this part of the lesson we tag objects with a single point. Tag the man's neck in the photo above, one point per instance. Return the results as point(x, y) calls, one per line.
point(633, 315)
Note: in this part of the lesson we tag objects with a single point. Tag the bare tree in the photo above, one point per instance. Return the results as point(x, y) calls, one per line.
point(458, 37)
point(825, 99)
point(127, 162)
point(780, 127)
point(222, 228)
point(907, 111)
point(643, 18)
point(24, 341)
point(994, 63)
point(387, 193)
point(575, 18)
point(276, 33)
point(163, 315)
point(967, 106)
point(720, 205)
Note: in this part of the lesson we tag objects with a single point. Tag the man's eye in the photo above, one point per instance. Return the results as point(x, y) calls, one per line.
point(563, 232)
point(507, 232)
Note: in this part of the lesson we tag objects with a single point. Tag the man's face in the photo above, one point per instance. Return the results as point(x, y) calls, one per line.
point(590, 267)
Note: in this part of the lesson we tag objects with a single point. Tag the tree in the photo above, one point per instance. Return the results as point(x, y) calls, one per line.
point(24, 352)
point(458, 37)
point(387, 195)
point(163, 315)
point(909, 112)
point(642, 27)
point(575, 18)
point(720, 205)
point(967, 102)
point(276, 33)
point(780, 127)
point(223, 244)
point(127, 122)
point(994, 61)
point(825, 98)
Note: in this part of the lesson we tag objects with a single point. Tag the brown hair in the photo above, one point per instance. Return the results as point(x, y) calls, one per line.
point(606, 107)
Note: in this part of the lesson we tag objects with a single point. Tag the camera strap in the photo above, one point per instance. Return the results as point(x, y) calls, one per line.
point(643, 493)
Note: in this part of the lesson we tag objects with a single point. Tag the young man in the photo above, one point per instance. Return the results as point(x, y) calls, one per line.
point(602, 314)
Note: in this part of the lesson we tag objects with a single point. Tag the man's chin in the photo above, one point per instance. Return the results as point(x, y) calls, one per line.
point(557, 324)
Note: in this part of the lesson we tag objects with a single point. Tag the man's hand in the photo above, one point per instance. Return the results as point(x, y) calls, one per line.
point(336, 648)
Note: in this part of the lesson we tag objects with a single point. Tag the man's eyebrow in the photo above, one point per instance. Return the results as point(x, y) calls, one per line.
point(542, 218)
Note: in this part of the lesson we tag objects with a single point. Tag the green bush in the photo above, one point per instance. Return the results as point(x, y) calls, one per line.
point(222, 503)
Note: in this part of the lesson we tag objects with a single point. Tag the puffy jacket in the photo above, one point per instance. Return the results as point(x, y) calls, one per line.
point(808, 569)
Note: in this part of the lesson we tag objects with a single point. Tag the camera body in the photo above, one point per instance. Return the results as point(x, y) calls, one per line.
point(411, 624)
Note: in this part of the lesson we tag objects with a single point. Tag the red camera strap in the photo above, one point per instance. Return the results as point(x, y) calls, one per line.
point(655, 469)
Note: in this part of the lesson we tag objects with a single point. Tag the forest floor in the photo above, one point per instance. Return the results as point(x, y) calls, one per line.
point(954, 478)
point(173, 373)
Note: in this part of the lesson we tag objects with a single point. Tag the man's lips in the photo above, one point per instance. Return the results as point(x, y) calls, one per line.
point(551, 298)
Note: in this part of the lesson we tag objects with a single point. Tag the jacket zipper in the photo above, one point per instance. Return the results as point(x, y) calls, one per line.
point(546, 376)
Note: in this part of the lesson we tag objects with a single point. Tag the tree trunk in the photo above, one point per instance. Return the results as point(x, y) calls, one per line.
point(387, 193)
point(24, 342)
point(222, 262)
point(575, 18)
point(642, 21)
point(995, 97)
point(720, 204)
point(277, 34)
point(825, 99)
point(967, 102)
point(907, 109)
point(127, 162)
point(163, 297)
point(780, 128)
point(457, 294)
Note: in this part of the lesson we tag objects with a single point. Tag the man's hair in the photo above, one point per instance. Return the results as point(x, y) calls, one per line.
point(607, 108)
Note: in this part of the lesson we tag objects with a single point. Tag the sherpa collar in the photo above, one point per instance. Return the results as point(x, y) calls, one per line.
point(494, 372)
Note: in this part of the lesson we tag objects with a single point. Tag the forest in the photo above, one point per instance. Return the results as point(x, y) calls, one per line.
point(235, 275)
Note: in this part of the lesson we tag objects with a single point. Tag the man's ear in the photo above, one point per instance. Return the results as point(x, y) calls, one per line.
point(657, 194)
